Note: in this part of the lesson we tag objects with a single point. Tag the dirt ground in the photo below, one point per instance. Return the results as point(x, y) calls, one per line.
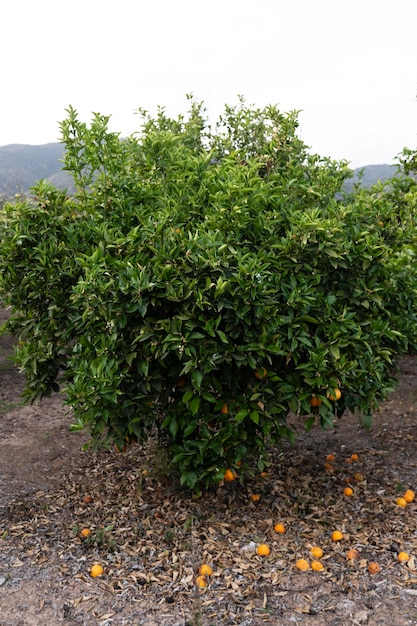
point(151, 539)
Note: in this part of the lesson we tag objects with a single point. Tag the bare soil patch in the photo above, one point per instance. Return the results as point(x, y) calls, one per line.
point(151, 538)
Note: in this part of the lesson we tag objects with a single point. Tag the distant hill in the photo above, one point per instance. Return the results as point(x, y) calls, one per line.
point(22, 165)
point(371, 174)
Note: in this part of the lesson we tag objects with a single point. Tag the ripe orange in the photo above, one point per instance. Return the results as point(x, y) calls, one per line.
point(315, 401)
point(229, 476)
point(317, 566)
point(334, 397)
point(316, 552)
point(337, 535)
point(263, 549)
point(205, 570)
point(403, 557)
point(401, 501)
point(348, 491)
point(96, 570)
point(409, 496)
point(85, 532)
point(201, 581)
point(331, 458)
point(354, 457)
point(302, 565)
point(255, 497)
point(279, 528)
point(374, 568)
point(352, 555)
point(225, 409)
point(261, 374)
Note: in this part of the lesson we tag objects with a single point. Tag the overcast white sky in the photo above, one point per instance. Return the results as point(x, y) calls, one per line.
point(349, 67)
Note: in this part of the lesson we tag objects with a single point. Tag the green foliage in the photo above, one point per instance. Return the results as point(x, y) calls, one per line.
point(207, 284)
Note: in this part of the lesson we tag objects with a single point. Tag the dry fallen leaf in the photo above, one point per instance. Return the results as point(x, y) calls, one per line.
point(411, 563)
point(152, 559)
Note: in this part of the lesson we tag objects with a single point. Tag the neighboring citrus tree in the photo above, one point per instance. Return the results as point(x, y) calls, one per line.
point(205, 284)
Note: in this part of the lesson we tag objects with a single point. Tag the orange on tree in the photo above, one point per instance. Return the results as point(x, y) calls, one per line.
point(229, 476)
point(261, 374)
point(315, 401)
point(225, 409)
point(335, 395)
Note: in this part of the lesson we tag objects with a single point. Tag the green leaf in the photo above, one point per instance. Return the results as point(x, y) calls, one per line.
point(195, 405)
point(196, 379)
point(222, 336)
point(173, 427)
point(190, 429)
point(334, 351)
point(309, 423)
point(130, 358)
point(330, 252)
point(293, 404)
point(366, 421)
point(240, 416)
point(187, 396)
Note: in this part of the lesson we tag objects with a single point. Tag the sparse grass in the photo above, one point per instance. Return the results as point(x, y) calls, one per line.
point(9, 405)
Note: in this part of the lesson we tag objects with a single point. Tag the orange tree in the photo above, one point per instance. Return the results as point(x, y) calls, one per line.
point(205, 284)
